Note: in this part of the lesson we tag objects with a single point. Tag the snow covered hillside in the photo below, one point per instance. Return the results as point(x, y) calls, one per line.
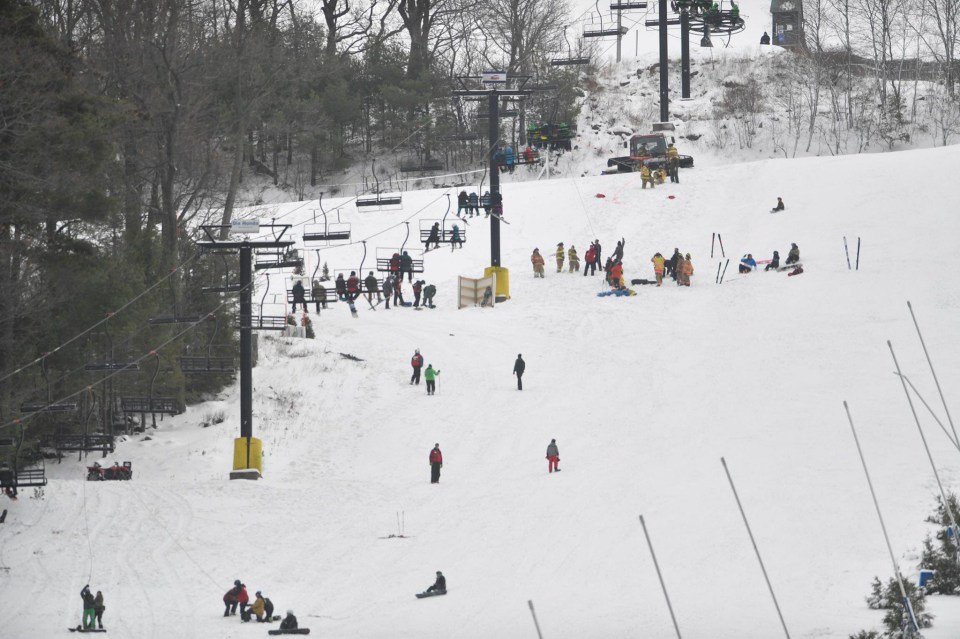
point(643, 394)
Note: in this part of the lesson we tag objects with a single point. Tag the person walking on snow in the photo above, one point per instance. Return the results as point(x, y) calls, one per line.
point(431, 376)
point(574, 259)
point(646, 178)
point(560, 256)
point(537, 260)
point(417, 363)
point(553, 456)
point(686, 270)
point(436, 463)
point(658, 266)
point(89, 607)
point(387, 291)
point(417, 289)
point(518, 367)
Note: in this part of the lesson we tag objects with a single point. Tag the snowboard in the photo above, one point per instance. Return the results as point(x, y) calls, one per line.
point(353, 309)
point(79, 629)
point(435, 593)
point(790, 267)
point(499, 218)
point(294, 631)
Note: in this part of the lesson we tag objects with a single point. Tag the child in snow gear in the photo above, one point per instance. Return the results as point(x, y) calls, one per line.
point(299, 296)
point(434, 237)
point(341, 286)
point(417, 363)
point(553, 456)
point(537, 260)
point(574, 259)
point(646, 177)
point(747, 263)
point(779, 206)
point(231, 599)
point(428, 292)
point(417, 288)
point(440, 585)
point(686, 270)
point(794, 255)
point(319, 295)
point(89, 607)
point(455, 237)
point(431, 376)
point(436, 463)
point(289, 622)
point(518, 367)
point(372, 286)
point(658, 266)
point(774, 263)
point(560, 256)
point(98, 609)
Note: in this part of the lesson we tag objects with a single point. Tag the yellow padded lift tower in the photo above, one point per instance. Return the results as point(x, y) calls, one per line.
point(247, 458)
point(503, 281)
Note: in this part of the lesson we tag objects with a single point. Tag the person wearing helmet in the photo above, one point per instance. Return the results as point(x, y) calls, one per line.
point(417, 363)
point(560, 255)
point(289, 622)
point(232, 599)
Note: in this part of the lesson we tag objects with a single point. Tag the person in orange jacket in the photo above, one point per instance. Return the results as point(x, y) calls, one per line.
point(537, 260)
point(686, 270)
point(658, 267)
point(616, 274)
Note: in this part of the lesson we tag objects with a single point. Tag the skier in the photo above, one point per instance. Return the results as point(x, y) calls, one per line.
point(289, 622)
point(319, 294)
point(440, 585)
point(560, 256)
point(341, 286)
point(353, 286)
point(774, 263)
point(574, 259)
point(299, 296)
point(98, 609)
point(387, 291)
point(417, 288)
point(794, 255)
point(406, 266)
point(462, 206)
point(553, 456)
point(518, 367)
point(417, 363)
point(372, 286)
point(431, 376)
point(747, 263)
point(686, 270)
point(428, 292)
point(658, 265)
point(455, 237)
point(231, 599)
point(645, 177)
point(486, 202)
point(537, 260)
point(89, 608)
point(434, 237)
point(591, 257)
point(779, 206)
point(436, 463)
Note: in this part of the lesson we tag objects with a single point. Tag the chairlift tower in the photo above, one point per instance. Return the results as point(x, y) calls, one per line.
point(494, 87)
point(247, 451)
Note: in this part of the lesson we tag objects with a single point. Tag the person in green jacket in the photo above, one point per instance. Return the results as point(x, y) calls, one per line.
point(428, 292)
point(431, 376)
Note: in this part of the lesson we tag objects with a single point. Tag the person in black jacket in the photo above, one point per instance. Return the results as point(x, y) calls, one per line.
point(341, 285)
point(440, 585)
point(774, 263)
point(618, 252)
point(89, 608)
point(232, 599)
point(462, 203)
point(596, 244)
point(299, 296)
point(434, 237)
point(289, 622)
point(518, 367)
point(671, 264)
point(372, 286)
point(406, 266)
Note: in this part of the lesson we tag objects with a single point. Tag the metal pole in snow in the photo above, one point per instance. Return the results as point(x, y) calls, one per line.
point(755, 549)
point(713, 238)
point(883, 526)
point(534, 613)
point(932, 414)
point(933, 372)
point(722, 252)
point(926, 447)
point(858, 253)
point(660, 577)
point(719, 264)
point(847, 251)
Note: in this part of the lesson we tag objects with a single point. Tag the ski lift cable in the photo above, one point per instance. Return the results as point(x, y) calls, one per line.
point(105, 319)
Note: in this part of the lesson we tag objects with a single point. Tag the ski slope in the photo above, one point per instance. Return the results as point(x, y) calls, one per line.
point(644, 395)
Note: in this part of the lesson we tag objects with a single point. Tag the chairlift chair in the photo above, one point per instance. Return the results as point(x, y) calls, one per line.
point(446, 230)
point(208, 365)
point(13, 474)
point(226, 287)
point(378, 199)
point(570, 60)
point(278, 258)
point(327, 231)
point(151, 404)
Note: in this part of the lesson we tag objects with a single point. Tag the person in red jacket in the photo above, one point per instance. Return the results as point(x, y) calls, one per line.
point(230, 600)
point(591, 260)
point(417, 363)
point(616, 272)
point(436, 463)
point(243, 599)
point(353, 286)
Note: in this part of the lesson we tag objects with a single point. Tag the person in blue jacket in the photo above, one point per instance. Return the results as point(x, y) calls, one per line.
point(747, 263)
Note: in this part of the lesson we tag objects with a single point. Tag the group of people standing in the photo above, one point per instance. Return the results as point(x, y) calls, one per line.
point(678, 267)
point(92, 609)
point(261, 608)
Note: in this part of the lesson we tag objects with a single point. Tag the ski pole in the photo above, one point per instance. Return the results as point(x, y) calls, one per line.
point(713, 238)
point(722, 252)
point(845, 250)
point(858, 252)
point(719, 264)
point(724, 271)
point(534, 613)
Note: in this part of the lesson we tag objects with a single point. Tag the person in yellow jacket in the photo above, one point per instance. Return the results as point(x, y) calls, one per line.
point(660, 175)
point(258, 608)
point(537, 260)
point(673, 163)
point(658, 267)
point(686, 270)
point(560, 255)
point(574, 259)
point(646, 177)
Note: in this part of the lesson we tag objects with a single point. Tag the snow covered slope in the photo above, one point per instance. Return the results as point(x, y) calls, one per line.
point(643, 395)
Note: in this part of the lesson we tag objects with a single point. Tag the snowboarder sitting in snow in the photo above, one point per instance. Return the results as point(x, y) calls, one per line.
point(779, 206)
point(794, 255)
point(440, 585)
point(747, 263)
point(774, 263)
point(289, 622)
